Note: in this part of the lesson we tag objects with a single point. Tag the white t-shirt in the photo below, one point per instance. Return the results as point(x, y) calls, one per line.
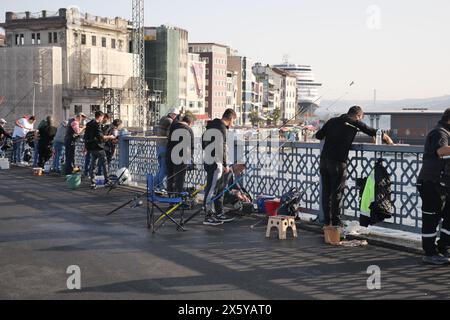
point(22, 132)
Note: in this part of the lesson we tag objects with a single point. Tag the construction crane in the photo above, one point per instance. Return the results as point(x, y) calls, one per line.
point(139, 111)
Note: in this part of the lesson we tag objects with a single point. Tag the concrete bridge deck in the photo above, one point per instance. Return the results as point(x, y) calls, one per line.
point(44, 228)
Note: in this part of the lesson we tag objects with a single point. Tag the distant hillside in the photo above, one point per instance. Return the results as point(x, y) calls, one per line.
point(437, 103)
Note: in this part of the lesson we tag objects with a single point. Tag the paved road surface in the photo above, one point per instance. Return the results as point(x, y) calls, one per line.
point(44, 228)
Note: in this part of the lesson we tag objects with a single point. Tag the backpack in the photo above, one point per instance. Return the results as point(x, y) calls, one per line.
point(376, 202)
point(290, 203)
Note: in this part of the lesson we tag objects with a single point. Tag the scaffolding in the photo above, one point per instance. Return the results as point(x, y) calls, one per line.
point(139, 65)
point(112, 100)
point(154, 110)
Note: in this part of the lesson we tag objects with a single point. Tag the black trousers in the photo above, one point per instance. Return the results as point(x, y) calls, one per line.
point(98, 157)
point(435, 207)
point(70, 156)
point(176, 176)
point(45, 153)
point(334, 176)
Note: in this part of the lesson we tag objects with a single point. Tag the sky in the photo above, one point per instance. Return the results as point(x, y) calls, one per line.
point(400, 48)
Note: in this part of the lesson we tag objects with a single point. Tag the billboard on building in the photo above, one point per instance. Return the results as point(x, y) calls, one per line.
point(199, 74)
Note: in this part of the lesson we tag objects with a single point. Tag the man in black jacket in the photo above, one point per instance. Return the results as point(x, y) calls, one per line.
point(214, 142)
point(95, 144)
point(162, 132)
point(434, 186)
point(339, 134)
point(180, 154)
point(47, 133)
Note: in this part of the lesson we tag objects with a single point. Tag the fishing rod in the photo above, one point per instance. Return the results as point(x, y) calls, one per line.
point(238, 180)
point(249, 151)
point(117, 182)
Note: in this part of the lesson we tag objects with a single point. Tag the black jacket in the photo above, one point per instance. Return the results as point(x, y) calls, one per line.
point(93, 137)
point(172, 144)
point(435, 169)
point(4, 133)
point(220, 126)
point(47, 134)
point(339, 134)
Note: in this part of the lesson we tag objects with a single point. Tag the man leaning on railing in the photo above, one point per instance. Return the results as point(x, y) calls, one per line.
point(339, 134)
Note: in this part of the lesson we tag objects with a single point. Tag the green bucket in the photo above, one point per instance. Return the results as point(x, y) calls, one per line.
point(74, 181)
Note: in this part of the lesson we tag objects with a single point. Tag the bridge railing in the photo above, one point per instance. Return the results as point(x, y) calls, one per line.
point(298, 166)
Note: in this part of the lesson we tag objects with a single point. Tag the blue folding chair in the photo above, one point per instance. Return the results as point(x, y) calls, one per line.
point(153, 200)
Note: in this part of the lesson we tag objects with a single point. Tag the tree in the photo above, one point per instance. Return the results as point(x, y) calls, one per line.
point(254, 118)
point(276, 116)
point(189, 113)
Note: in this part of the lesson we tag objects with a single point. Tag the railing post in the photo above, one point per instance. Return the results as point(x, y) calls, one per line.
point(321, 213)
point(124, 152)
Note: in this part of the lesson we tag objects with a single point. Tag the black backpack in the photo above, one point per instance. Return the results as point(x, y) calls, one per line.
point(290, 203)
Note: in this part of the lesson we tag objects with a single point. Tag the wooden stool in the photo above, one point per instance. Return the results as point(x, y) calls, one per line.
point(282, 223)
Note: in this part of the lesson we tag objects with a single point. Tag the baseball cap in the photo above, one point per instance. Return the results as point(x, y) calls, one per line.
point(174, 111)
point(81, 114)
point(3, 121)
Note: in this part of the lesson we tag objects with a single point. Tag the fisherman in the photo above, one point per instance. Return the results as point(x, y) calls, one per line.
point(23, 126)
point(75, 129)
point(339, 134)
point(179, 163)
point(111, 146)
point(47, 133)
point(217, 167)
point(4, 135)
point(58, 145)
point(434, 188)
point(163, 132)
point(95, 144)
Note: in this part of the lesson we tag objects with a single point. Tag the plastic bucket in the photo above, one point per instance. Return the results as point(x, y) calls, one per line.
point(332, 235)
point(272, 206)
point(261, 203)
point(74, 181)
point(47, 168)
point(100, 181)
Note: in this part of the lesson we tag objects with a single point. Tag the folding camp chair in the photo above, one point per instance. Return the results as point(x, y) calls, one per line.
point(153, 201)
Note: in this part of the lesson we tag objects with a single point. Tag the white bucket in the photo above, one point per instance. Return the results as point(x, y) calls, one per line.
point(47, 168)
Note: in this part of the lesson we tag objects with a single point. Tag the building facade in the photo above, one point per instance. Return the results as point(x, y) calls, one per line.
point(90, 55)
point(288, 95)
point(232, 94)
point(272, 86)
point(166, 65)
point(215, 57)
point(246, 81)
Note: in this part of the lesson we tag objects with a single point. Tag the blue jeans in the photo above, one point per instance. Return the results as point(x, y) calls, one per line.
point(36, 153)
point(18, 147)
point(58, 147)
point(162, 173)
